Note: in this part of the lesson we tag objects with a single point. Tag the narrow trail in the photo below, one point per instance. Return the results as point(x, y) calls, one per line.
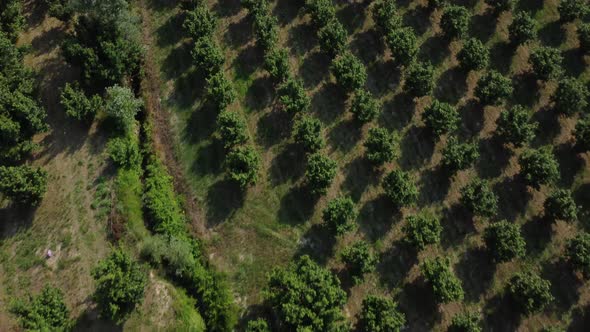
point(162, 136)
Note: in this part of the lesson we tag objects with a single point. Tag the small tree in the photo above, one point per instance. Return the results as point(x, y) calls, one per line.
point(419, 79)
point(504, 241)
point(257, 325)
point(320, 173)
point(207, 56)
point(124, 152)
point(321, 11)
point(200, 22)
point(584, 36)
point(570, 97)
point(292, 96)
point(77, 105)
point(120, 284)
point(220, 91)
point(465, 322)
point(474, 55)
point(232, 129)
point(386, 16)
point(493, 87)
point(276, 62)
point(122, 106)
point(349, 71)
point(441, 118)
point(455, 21)
point(459, 156)
point(381, 146)
point(400, 188)
point(538, 167)
point(332, 38)
point(500, 5)
point(23, 184)
point(339, 215)
point(266, 31)
point(530, 292)
point(514, 126)
point(479, 198)
point(45, 312)
point(547, 63)
point(403, 45)
point(445, 285)
point(359, 260)
point(421, 230)
point(379, 314)
point(243, 165)
point(523, 28)
point(582, 133)
point(570, 10)
point(577, 253)
point(364, 107)
point(306, 297)
point(307, 132)
point(560, 205)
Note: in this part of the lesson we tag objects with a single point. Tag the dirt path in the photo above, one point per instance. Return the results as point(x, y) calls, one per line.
point(162, 136)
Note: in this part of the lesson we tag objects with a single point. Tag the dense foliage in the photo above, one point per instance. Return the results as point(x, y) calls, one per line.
point(446, 287)
point(492, 88)
point(339, 215)
point(530, 292)
point(232, 129)
point(403, 45)
point(465, 322)
point(386, 16)
point(560, 205)
point(547, 63)
point(474, 55)
point(515, 127)
point(276, 62)
point(257, 325)
point(523, 28)
point(582, 132)
point(200, 22)
point(500, 5)
point(538, 167)
point(321, 11)
point(320, 173)
point(332, 38)
point(46, 311)
point(307, 132)
point(400, 188)
point(584, 36)
point(459, 156)
point(121, 105)
point(479, 198)
point(220, 91)
point(23, 184)
point(504, 241)
point(349, 71)
point(570, 10)
point(364, 107)
point(243, 166)
point(570, 97)
point(124, 152)
point(421, 230)
point(419, 79)
point(359, 260)
point(455, 21)
point(379, 314)
point(292, 96)
point(77, 105)
point(577, 253)
point(207, 56)
point(381, 146)
point(441, 118)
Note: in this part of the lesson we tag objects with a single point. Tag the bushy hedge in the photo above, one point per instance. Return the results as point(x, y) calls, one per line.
point(403, 45)
point(339, 215)
point(421, 230)
point(455, 21)
point(232, 129)
point(349, 71)
point(381, 146)
point(479, 198)
point(445, 285)
point(523, 28)
point(46, 311)
point(320, 173)
point(400, 188)
point(419, 79)
point(332, 38)
point(292, 96)
point(379, 314)
point(538, 167)
point(582, 132)
point(307, 132)
point(459, 156)
point(547, 63)
point(386, 16)
point(492, 88)
point(359, 260)
point(570, 97)
point(242, 165)
point(77, 105)
point(474, 55)
point(441, 118)
point(364, 107)
point(577, 253)
point(530, 292)
point(560, 205)
point(220, 91)
point(466, 322)
point(514, 126)
point(504, 241)
point(23, 184)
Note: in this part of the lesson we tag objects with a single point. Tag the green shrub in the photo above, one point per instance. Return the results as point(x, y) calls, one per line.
point(276, 62)
point(200, 22)
point(307, 132)
point(257, 325)
point(492, 88)
point(243, 165)
point(577, 253)
point(364, 107)
point(23, 184)
point(305, 296)
point(465, 322)
point(582, 132)
point(45, 312)
point(122, 106)
point(220, 91)
point(547, 62)
point(386, 16)
point(320, 173)
point(266, 30)
point(560, 205)
point(523, 28)
point(359, 260)
point(232, 129)
point(538, 167)
point(441, 118)
point(570, 97)
point(124, 152)
point(504, 241)
point(349, 71)
point(500, 5)
point(459, 156)
point(479, 198)
point(77, 105)
point(207, 56)
point(403, 45)
point(379, 314)
point(400, 188)
point(321, 11)
point(530, 292)
point(570, 10)
point(474, 55)
point(332, 38)
point(381, 146)
point(120, 284)
point(419, 80)
point(455, 21)
point(421, 230)
point(12, 20)
point(292, 96)
point(514, 126)
point(339, 215)
point(445, 285)
point(584, 36)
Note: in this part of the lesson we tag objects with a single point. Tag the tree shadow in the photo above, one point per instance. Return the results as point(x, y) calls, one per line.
point(501, 314)
point(493, 157)
point(297, 206)
point(314, 69)
point(513, 198)
point(548, 125)
point(397, 112)
point(551, 34)
point(209, 158)
point(272, 128)
point(359, 173)
point(286, 11)
point(376, 217)
point(353, 15)
point(89, 321)
point(580, 319)
point(318, 242)
point(224, 197)
point(537, 234)
point(419, 304)
point(226, 8)
point(531, 6)
point(435, 184)
point(239, 33)
point(48, 40)
point(573, 62)
point(200, 125)
point(288, 165)
point(395, 263)
point(248, 61)
point(526, 91)
point(569, 164)
point(171, 32)
point(476, 271)
point(564, 285)
point(328, 103)
point(451, 85)
point(15, 218)
point(457, 222)
point(302, 39)
point(501, 56)
point(384, 77)
point(582, 198)
point(418, 19)
point(260, 93)
point(434, 49)
point(483, 26)
point(417, 147)
point(367, 45)
point(345, 135)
